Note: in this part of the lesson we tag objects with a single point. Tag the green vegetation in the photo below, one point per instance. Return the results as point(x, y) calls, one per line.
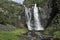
point(30, 2)
point(12, 35)
point(57, 34)
point(46, 32)
point(19, 31)
point(9, 12)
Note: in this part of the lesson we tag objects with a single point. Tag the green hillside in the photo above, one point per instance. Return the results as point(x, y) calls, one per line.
point(9, 11)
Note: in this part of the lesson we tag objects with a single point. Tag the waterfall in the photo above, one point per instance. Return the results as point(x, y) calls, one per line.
point(37, 22)
point(36, 25)
point(28, 17)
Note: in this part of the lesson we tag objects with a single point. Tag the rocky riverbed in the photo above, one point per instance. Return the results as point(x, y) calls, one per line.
point(35, 36)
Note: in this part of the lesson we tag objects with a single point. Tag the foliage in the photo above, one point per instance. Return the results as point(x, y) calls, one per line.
point(57, 34)
point(12, 35)
point(46, 32)
point(30, 2)
point(9, 11)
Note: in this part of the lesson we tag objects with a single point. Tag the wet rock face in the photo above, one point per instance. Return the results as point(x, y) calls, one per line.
point(49, 13)
point(44, 12)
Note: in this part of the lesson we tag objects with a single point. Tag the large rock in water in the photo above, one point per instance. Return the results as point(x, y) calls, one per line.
point(6, 27)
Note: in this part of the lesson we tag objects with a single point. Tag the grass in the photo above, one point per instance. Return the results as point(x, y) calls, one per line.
point(12, 35)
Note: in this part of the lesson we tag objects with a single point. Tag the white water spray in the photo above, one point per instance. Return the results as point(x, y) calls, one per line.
point(28, 17)
point(37, 23)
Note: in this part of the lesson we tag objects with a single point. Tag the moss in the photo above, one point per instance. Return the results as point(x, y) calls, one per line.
point(8, 36)
point(12, 35)
point(57, 34)
point(46, 32)
point(19, 31)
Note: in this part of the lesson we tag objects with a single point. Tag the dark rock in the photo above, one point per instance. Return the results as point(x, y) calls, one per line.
point(6, 27)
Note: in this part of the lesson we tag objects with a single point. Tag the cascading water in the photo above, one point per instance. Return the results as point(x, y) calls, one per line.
point(28, 17)
point(37, 23)
point(33, 22)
